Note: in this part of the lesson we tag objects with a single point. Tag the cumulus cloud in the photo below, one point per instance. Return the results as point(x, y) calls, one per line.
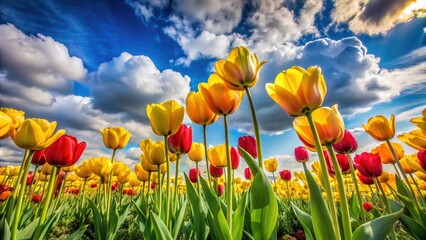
point(127, 83)
point(146, 8)
point(376, 16)
point(37, 62)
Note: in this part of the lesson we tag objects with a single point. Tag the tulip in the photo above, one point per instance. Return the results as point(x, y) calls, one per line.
point(367, 206)
point(156, 154)
point(181, 141)
point(114, 186)
point(141, 173)
point(5, 125)
point(30, 178)
point(5, 192)
point(235, 158)
point(328, 122)
point(194, 173)
point(298, 91)
point(271, 164)
point(123, 176)
point(368, 164)
point(420, 122)
point(415, 139)
point(83, 170)
point(348, 144)
point(165, 118)
point(411, 163)
point(198, 110)
point(285, 175)
point(343, 163)
point(93, 185)
point(421, 156)
point(147, 165)
point(248, 143)
point(118, 167)
point(38, 158)
point(364, 179)
point(35, 134)
point(220, 190)
point(380, 128)
point(240, 69)
point(386, 154)
point(220, 99)
point(247, 173)
point(46, 169)
point(101, 166)
point(133, 180)
point(196, 153)
point(10, 119)
point(216, 171)
point(217, 156)
point(301, 154)
point(115, 138)
point(68, 169)
point(384, 178)
point(64, 152)
point(35, 198)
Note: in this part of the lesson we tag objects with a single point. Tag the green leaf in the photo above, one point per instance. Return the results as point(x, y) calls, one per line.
point(238, 217)
point(149, 229)
point(405, 197)
point(29, 230)
point(249, 160)
point(377, 228)
point(6, 229)
point(321, 219)
point(99, 231)
point(305, 220)
point(160, 228)
point(51, 222)
point(179, 219)
point(77, 234)
point(198, 211)
point(220, 226)
point(141, 217)
point(415, 229)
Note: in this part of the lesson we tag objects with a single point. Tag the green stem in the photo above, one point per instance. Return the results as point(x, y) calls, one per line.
point(384, 198)
point(275, 183)
point(109, 190)
point(413, 198)
point(84, 194)
point(205, 153)
point(21, 171)
point(256, 128)
point(19, 206)
point(229, 180)
point(347, 230)
point(381, 198)
point(47, 202)
point(417, 186)
point(326, 179)
point(198, 178)
point(168, 202)
point(354, 179)
point(60, 193)
point(176, 178)
point(159, 189)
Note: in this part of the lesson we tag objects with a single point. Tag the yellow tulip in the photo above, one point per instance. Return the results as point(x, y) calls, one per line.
point(385, 153)
point(68, 169)
point(165, 118)
point(415, 139)
point(101, 166)
point(35, 134)
point(5, 125)
point(115, 138)
point(72, 178)
point(16, 117)
point(240, 69)
point(156, 154)
point(421, 175)
point(83, 170)
point(420, 122)
point(141, 173)
point(43, 177)
point(271, 164)
point(298, 91)
point(46, 169)
point(124, 176)
point(412, 162)
point(133, 180)
point(380, 128)
point(217, 155)
point(147, 165)
point(118, 167)
point(329, 124)
point(384, 177)
point(220, 99)
point(198, 110)
point(196, 153)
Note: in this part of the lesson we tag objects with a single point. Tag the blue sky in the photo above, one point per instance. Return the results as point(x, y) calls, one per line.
point(96, 64)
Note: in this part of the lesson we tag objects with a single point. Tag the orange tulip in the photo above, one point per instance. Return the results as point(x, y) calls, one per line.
point(380, 128)
point(386, 154)
point(198, 110)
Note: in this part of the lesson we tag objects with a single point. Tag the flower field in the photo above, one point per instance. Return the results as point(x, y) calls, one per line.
point(342, 193)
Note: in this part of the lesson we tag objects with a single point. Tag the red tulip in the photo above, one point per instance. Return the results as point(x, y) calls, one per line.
point(367, 206)
point(64, 152)
point(301, 154)
point(248, 143)
point(368, 164)
point(93, 185)
point(421, 156)
point(348, 144)
point(38, 158)
point(235, 158)
point(125, 191)
point(75, 191)
point(220, 190)
point(343, 161)
point(247, 173)
point(35, 198)
point(215, 172)
point(152, 185)
point(5, 192)
point(365, 180)
point(181, 141)
point(114, 186)
point(285, 175)
point(193, 172)
point(30, 178)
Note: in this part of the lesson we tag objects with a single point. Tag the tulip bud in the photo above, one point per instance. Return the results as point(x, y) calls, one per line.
point(235, 158)
point(5, 192)
point(216, 172)
point(301, 154)
point(196, 153)
point(348, 144)
point(38, 158)
point(35, 198)
point(365, 180)
point(93, 185)
point(247, 173)
point(220, 190)
point(384, 177)
point(421, 156)
point(271, 164)
point(115, 138)
point(285, 175)
point(194, 173)
point(248, 143)
point(65, 151)
point(367, 206)
point(30, 178)
point(152, 185)
point(181, 141)
point(368, 164)
point(114, 186)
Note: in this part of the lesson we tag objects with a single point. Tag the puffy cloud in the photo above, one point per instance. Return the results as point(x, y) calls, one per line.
point(127, 83)
point(37, 62)
point(146, 8)
point(376, 16)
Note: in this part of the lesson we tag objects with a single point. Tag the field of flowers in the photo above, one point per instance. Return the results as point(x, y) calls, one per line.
point(345, 194)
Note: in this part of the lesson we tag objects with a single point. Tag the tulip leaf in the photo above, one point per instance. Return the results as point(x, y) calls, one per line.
point(161, 231)
point(238, 217)
point(148, 233)
point(77, 234)
point(6, 229)
point(99, 231)
point(198, 210)
point(249, 160)
point(179, 219)
point(220, 226)
point(305, 220)
point(141, 217)
point(28, 231)
point(415, 229)
point(377, 228)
